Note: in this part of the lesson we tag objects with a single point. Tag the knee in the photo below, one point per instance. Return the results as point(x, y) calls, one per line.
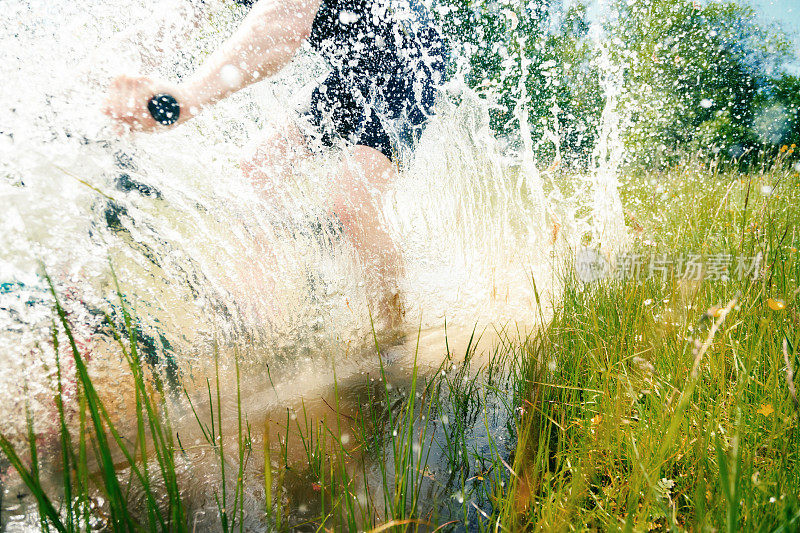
point(263, 163)
point(355, 207)
point(343, 208)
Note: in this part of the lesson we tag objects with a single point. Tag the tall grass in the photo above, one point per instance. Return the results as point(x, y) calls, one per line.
point(643, 404)
point(669, 404)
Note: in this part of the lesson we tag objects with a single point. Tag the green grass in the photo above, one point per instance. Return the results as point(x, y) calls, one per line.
point(668, 404)
point(647, 404)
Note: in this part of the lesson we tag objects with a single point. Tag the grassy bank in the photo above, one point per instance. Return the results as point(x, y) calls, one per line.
point(659, 397)
point(668, 403)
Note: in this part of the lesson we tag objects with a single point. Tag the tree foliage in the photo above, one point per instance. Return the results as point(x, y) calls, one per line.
point(522, 54)
point(695, 78)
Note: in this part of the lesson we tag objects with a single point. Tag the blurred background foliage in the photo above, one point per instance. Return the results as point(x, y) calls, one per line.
point(692, 78)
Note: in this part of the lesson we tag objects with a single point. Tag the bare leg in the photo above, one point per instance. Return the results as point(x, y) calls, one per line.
point(270, 164)
point(364, 170)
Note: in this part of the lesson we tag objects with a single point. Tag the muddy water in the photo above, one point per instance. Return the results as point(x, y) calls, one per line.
point(356, 412)
point(353, 412)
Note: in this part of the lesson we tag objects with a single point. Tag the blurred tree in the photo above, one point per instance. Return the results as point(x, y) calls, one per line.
point(696, 78)
point(777, 110)
point(693, 77)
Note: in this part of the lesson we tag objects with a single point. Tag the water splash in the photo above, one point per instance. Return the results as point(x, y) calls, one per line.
point(199, 255)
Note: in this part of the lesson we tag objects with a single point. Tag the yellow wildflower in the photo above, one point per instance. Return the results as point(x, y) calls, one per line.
point(765, 409)
point(776, 305)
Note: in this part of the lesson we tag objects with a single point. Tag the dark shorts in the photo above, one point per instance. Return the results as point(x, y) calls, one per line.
point(386, 111)
point(388, 60)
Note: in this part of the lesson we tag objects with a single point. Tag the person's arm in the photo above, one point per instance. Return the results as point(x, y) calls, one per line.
point(267, 39)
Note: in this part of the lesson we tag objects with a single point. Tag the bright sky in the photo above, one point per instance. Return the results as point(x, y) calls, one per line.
point(785, 14)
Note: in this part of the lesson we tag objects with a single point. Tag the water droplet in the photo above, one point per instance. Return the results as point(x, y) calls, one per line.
point(231, 76)
point(347, 17)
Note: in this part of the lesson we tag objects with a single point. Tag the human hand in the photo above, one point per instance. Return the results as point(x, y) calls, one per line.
point(127, 99)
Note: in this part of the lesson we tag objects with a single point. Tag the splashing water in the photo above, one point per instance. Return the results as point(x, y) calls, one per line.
point(199, 255)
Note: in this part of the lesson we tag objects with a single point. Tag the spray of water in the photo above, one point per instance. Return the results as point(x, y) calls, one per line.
point(200, 256)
